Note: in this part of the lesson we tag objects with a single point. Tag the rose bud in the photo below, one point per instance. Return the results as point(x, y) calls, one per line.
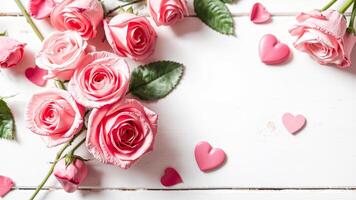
point(82, 16)
point(121, 133)
point(70, 175)
point(101, 79)
point(130, 36)
point(11, 52)
point(54, 115)
point(60, 54)
point(167, 12)
point(40, 9)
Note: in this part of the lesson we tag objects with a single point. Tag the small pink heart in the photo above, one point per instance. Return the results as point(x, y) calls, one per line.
point(35, 75)
point(272, 51)
point(293, 123)
point(208, 158)
point(259, 14)
point(5, 185)
point(170, 177)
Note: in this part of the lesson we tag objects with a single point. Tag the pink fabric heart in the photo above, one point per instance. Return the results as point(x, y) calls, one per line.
point(35, 75)
point(272, 51)
point(208, 158)
point(293, 123)
point(259, 14)
point(170, 177)
point(5, 185)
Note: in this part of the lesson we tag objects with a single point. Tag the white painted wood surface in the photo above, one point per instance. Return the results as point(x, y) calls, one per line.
point(227, 97)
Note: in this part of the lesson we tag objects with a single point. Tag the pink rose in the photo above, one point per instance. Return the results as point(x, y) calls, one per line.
point(72, 175)
point(321, 35)
point(131, 36)
point(11, 52)
point(60, 54)
point(121, 133)
point(82, 16)
point(40, 9)
point(54, 115)
point(102, 79)
point(167, 12)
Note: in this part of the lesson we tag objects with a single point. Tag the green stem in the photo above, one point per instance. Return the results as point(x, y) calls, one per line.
point(345, 6)
point(77, 146)
point(351, 27)
point(3, 33)
point(29, 20)
point(330, 3)
point(58, 156)
point(60, 84)
point(121, 6)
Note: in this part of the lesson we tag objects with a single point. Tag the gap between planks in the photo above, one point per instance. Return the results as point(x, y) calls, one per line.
point(199, 189)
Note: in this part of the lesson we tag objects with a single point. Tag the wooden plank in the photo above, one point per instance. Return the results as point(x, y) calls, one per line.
point(196, 195)
point(277, 7)
point(227, 97)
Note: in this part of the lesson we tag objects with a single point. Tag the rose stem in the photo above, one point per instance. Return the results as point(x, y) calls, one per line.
point(58, 156)
point(60, 84)
point(29, 20)
point(121, 6)
point(351, 27)
point(328, 5)
point(36, 30)
point(345, 6)
point(77, 146)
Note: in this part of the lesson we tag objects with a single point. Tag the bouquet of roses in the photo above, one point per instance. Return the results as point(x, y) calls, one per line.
point(91, 99)
point(325, 35)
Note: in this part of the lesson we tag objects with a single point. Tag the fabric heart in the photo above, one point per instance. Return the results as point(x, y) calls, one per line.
point(35, 75)
point(272, 51)
point(293, 123)
point(208, 158)
point(170, 177)
point(5, 185)
point(259, 14)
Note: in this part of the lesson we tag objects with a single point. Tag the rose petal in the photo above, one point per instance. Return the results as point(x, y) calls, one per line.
point(5, 185)
point(36, 75)
point(41, 9)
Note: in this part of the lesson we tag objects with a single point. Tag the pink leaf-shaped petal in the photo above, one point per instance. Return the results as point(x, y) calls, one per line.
point(36, 75)
point(5, 185)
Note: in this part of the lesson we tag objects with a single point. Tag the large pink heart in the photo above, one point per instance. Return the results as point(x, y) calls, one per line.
point(35, 75)
point(5, 185)
point(259, 14)
point(208, 158)
point(170, 177)
point(272, 51)
point(293, 123)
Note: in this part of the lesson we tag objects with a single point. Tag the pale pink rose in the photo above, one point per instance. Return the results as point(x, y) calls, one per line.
point(167, 12)
point(40, 9)
point(11, 52)
point(131, 36)
point(101, 79)
point(82, 16)
point(321, 35)
point(60, 54)
point(121, 133)
point(72, 175)
point(55, 116)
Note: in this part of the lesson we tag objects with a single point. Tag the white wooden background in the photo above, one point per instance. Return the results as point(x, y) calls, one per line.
point(227, 97)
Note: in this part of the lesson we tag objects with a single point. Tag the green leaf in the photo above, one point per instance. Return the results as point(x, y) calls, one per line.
point(155, 80)
point(227, 1)
point(7, 122)
point(216, 15)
